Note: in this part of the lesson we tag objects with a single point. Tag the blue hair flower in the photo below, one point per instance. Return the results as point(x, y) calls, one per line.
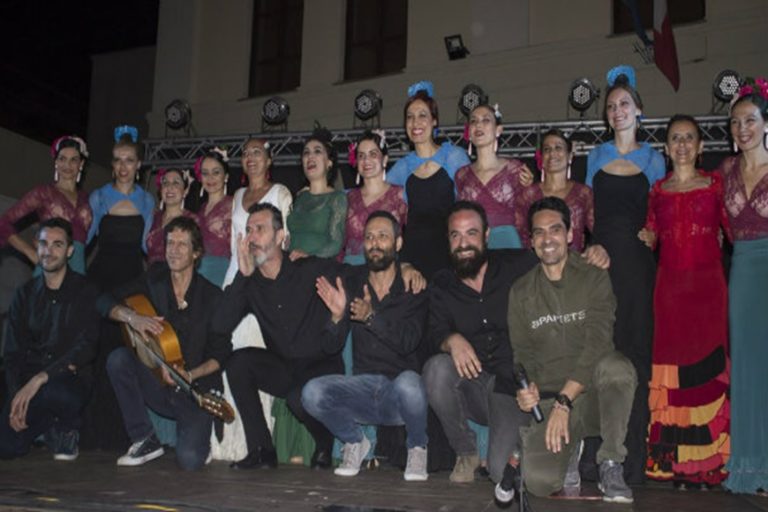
point(423, 85)
point(127, 129)
point(623, 70)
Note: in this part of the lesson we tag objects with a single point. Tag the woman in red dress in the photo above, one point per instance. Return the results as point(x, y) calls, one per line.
point(688, 439)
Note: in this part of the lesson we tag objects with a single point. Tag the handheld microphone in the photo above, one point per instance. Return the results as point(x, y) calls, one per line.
point(522, 379)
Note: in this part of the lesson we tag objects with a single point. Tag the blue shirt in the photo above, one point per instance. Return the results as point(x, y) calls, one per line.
point(448, 156)
point(104, 198)
point(645, 158)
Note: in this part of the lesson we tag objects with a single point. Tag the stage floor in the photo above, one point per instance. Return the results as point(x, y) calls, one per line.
point(95, 483)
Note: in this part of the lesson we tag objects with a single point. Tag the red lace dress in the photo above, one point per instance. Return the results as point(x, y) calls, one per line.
point(216, 227)
point(357, 213)
point(156, 236)
point(690, 411)
point(579, 201)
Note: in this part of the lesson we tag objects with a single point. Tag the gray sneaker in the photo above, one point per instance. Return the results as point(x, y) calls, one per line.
point(612, 484)
point(353, 455)
point(142, 451)
point(464, 469)
point(416, 467)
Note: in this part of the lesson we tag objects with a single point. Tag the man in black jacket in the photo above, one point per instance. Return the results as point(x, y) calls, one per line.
point(385, 388)
point(187, 301)
point(50, 345)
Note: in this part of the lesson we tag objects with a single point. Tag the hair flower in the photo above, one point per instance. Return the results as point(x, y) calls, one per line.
point(628, 72)
point(382, 138)
point(352, 154)
point(126, 130)
point(423, 85)
point(221, 152)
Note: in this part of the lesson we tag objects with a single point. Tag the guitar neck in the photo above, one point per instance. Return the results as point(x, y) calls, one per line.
point(174, 373)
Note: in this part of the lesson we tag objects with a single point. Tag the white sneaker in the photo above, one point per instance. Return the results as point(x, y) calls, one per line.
point(416, 467)
point(353, 456)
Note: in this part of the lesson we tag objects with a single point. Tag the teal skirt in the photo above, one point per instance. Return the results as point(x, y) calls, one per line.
point(214, 269)
point(748, 312)
point(76, 262)
point(504, 237)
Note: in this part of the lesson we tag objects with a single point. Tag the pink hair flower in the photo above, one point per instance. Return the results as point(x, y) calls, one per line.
point(352, 154)
point(465, 136)
point(539, 160)
point(198, 168)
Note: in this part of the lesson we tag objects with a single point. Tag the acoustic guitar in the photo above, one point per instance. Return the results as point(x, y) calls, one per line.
point(164, 351)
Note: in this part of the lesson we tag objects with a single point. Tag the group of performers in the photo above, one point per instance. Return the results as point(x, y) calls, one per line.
point(658, 222)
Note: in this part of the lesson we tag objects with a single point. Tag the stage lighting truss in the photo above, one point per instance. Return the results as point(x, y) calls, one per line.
point(178, 115)
point(582, 94)
point(275, 111)
point(471, 96)
point(368, 104)
point(726, 85)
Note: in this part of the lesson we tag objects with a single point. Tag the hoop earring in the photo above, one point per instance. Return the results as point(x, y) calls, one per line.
point(79, 175)
point(496, 145)
point(469, 149)
point(735, 147)
point(384, 175)
point(202, 191)
point(543, 175)
point(765, 140)
point(56, 176)
point(162, 204)
point(357, 179)
point(137, 176)
point(568, 171)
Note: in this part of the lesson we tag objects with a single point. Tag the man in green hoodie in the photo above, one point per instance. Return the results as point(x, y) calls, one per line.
point(560, 322)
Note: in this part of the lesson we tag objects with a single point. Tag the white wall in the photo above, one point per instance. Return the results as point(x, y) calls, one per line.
point(526, 55)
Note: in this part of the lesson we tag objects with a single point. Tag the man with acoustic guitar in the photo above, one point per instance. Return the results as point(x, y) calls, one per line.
point(50, 345)
point(184, 302)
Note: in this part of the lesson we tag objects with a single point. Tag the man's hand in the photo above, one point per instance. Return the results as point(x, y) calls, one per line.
point(557, 429)
point(296, 254)
point(334, 297)
point(20, 403)
point(245, 262)
point(529, 398)
point(464, 356)
point(597, 255)
point(146, 326)
point(361, 309)
point(413, 280)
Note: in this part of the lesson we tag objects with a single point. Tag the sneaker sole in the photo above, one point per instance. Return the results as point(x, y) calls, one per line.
point(130, 462)
point(415, 478)
point(616, 499)
point(65, 457)
point(345, 472)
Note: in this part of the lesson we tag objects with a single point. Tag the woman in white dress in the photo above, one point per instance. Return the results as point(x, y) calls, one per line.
point(256, 160)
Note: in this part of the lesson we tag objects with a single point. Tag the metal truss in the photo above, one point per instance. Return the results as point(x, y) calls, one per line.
point(518, 140)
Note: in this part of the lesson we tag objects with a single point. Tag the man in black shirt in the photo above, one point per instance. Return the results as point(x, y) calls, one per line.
point(387, 328)
point(187, 302)
point(50, 345)
point(301, 308)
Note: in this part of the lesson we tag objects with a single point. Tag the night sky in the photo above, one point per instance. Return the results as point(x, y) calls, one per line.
point(45, 69)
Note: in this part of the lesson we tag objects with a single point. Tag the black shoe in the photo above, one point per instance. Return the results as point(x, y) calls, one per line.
point(482, 474)
point(321, 459)
point(505, 490)
point(259, 458)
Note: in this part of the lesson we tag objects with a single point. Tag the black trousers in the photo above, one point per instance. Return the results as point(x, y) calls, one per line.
point(250, 370)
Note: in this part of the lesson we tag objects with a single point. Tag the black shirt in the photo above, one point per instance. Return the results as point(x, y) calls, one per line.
point(50, 329)
point(480, 317)
point(294, 320)
point(192, 324)
point(387, 344)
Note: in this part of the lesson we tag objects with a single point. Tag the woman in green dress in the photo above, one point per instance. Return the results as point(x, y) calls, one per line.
point(316, 227)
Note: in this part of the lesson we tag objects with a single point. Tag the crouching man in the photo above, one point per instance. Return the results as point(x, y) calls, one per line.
point(385, 388)
point(560, 320)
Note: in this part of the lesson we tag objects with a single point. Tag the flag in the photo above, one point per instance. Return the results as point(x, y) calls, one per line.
point(637, 22)
point(664, 50)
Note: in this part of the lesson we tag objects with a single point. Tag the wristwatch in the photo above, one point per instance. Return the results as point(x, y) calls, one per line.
point(563, 399)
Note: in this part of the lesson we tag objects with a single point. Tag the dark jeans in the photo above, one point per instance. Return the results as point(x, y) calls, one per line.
point(456, 400)
point(250, 370)
point(58, 403)
point(344, 402)
point(136, 388)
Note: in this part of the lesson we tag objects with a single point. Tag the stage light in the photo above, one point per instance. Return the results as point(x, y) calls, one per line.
point(275, 111)
point(471, 96)
point(726, 85)
point(178, 115)
point(454, 45)
point(368, 104)
point(582, 94)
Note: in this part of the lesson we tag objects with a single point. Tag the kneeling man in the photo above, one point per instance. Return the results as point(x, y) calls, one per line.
point(385, 388)
point(560, 320)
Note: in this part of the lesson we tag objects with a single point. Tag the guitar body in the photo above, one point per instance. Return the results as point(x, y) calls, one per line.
point(164, 351)
point(166, 345)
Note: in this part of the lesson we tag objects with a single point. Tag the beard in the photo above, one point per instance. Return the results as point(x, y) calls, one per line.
point(469, 267)
point(382, 262)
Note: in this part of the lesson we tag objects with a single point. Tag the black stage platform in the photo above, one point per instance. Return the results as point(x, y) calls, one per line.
point(95, 483)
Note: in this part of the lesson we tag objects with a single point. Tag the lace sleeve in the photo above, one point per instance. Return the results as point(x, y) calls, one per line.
point(336, 226)
point(725, 222)
point(27, 205)
point(589, 209)
point(523, 201)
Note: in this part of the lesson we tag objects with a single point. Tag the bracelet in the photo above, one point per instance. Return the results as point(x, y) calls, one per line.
point(563, 400)
point(559, 406)
point(369, 318)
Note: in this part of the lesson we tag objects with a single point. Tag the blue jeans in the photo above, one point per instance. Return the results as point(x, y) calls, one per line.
point(343, 403)
point(59, 403)
point(136, 388)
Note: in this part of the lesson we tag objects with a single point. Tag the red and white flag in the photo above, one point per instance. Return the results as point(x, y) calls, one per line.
point(664, 50)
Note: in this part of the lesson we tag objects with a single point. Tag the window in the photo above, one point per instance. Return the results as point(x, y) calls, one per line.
point(377, 34)
point(680, 11)
point(276, 46)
